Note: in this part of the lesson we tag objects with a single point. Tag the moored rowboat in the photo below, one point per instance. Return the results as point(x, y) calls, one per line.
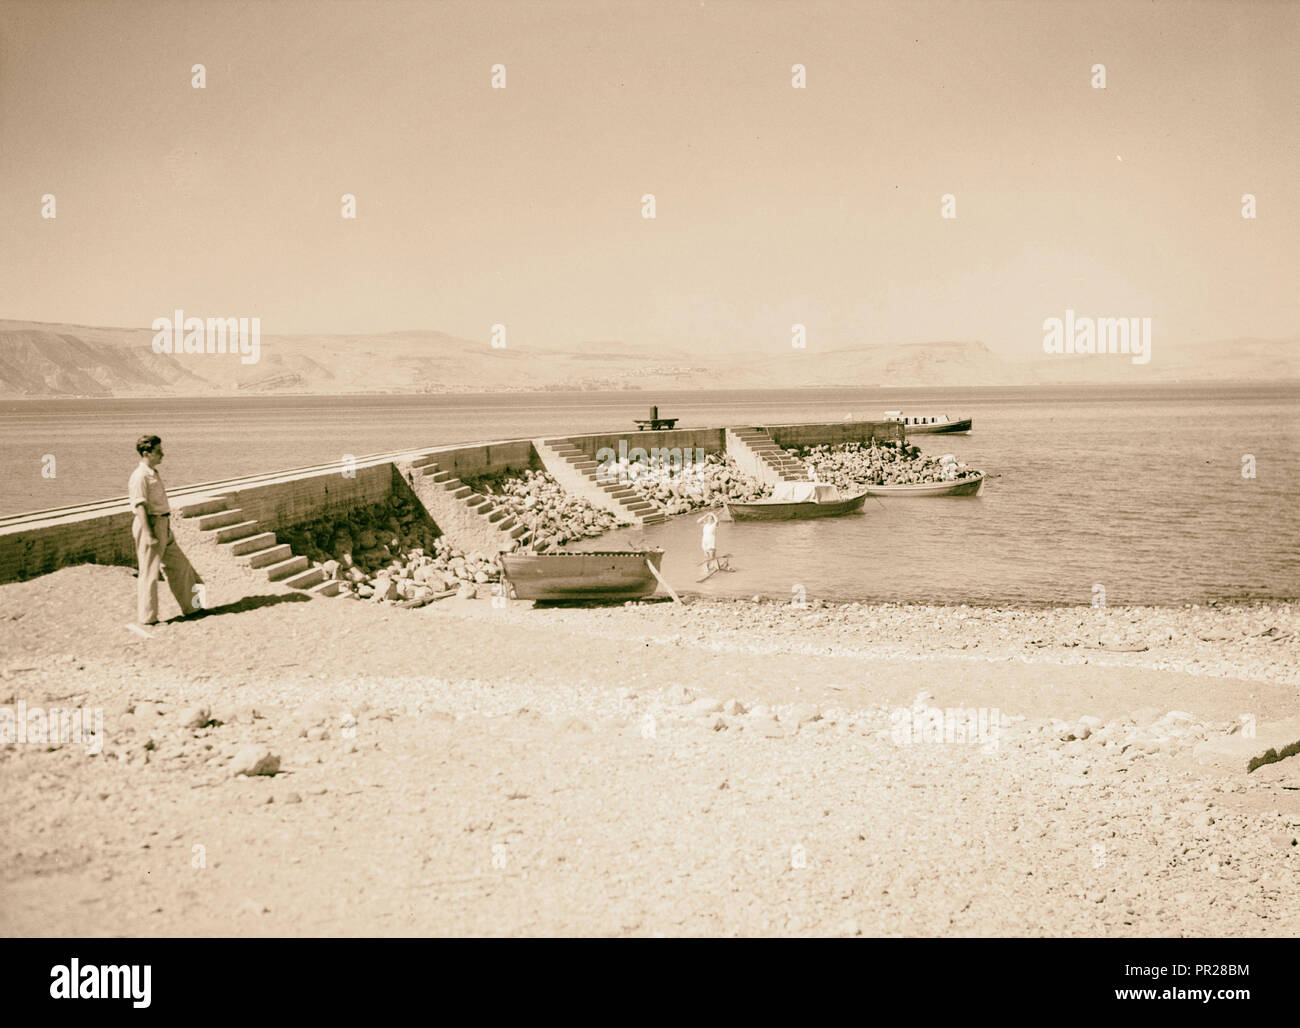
point(582, 574)
point(957, 487)
point(796, 501)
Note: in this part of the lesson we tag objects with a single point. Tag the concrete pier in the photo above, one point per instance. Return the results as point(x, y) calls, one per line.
point(242, 516)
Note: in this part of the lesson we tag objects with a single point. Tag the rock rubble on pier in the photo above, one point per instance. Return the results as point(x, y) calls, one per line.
point(852, 465)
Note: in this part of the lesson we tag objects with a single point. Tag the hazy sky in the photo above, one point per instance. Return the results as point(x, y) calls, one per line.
point(775, 205)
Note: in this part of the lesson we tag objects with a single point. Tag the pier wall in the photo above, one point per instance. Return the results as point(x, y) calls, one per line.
point(98, 537)
point(281, 504)
point(836, 432)
point(710, 440)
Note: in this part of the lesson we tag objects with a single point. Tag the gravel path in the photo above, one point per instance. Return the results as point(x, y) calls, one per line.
point(715, 769)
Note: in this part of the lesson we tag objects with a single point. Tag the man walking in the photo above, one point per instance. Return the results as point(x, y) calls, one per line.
point(154, 546)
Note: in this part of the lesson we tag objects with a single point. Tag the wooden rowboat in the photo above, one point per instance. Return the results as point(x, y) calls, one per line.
point(796, 501)
point(582, 575)
point(958, 487)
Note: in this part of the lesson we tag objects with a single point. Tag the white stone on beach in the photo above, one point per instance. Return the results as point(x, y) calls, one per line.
point(254, 760)
point(678, 694)
point(701, 707)
point(196, 716)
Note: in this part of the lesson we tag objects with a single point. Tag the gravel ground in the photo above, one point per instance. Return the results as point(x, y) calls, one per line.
point(709, 769)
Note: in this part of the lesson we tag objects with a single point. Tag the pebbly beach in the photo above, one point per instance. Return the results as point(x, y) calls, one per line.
point(712, 768)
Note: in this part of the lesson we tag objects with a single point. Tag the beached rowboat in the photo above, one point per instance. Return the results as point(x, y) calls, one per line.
point(582, 575)
point(957, 487)
point(795, 501)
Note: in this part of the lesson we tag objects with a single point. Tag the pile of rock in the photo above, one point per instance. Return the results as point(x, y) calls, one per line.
point(417, 575)
point(390, 551)
point(679, 490)
point(555, 517)
point(368, 538)
point(852, 465)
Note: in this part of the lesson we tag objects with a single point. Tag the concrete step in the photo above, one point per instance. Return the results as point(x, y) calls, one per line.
point(219, 519)
point(519, 530)
point(477, 501)
point(541, 547)
point(242, 530)
point(271, 555)
point(497, 514)
point(306, 579)
point(425, 462)
point(329, 587)
point(508, 522)
point(285, 568)
point(440, 476)
point(623, 494)
point(640, 505)
point(193, 510)
point(653, 519)
point(252, 543)
point(462, 492)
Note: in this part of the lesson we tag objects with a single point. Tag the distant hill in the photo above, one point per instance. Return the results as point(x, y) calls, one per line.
point(38, 359)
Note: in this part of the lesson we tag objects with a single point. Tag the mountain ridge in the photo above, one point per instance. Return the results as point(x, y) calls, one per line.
point(39, 359)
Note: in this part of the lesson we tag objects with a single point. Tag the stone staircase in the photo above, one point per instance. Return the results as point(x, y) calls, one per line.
point(756, 452)
point(475, 521)
point(576, 472)
point(244, 540)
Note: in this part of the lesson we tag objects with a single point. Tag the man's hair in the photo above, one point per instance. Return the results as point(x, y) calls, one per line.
point(146, 444)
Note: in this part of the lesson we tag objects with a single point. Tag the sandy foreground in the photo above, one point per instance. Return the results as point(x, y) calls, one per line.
point(719, 768)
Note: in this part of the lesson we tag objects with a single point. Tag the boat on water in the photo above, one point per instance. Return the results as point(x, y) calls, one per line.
point(582, 574)
point(969, 486)
point(915, 423)
point(795, 501)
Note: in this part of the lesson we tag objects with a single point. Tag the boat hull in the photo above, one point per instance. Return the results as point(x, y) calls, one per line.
point(582, 575)
point(950, 428)
point(795, 511)
point(962, 487)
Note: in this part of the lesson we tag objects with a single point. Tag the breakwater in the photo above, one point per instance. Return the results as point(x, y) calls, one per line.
point(248, 522)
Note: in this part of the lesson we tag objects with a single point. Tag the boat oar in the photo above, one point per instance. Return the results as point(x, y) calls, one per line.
point(662, 581)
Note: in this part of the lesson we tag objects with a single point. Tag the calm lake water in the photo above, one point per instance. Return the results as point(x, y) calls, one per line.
point(1139, 490)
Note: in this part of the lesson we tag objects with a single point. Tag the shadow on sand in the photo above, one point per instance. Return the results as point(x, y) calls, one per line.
point(241, 605)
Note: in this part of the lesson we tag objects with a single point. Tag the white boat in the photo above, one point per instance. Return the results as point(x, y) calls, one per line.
point(796, 501)
point(921, 423)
